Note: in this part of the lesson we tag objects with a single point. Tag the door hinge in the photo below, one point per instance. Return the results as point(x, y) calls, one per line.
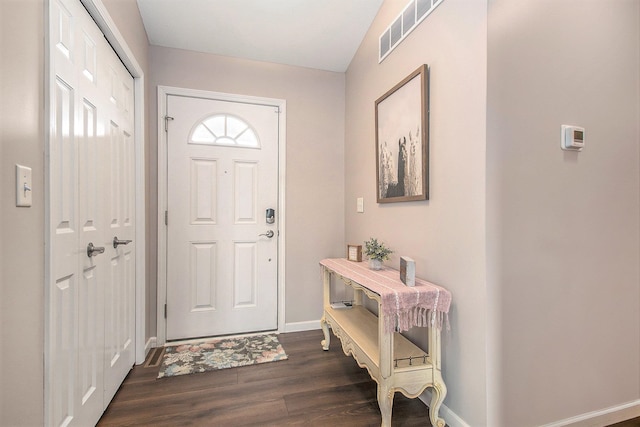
point(165, 311)
point(166, 122)
point(166, 217)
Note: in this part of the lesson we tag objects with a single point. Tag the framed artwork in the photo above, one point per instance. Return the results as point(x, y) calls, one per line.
point(354, 253)
point(402, 140)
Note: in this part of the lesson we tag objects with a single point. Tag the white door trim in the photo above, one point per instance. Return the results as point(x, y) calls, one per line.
point(100, 15)
point(163, 92)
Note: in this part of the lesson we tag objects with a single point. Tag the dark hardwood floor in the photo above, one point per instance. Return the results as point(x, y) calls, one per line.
point(634, 422)
point(312, 387)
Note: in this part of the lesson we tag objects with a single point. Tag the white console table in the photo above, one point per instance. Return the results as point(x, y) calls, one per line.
point(392, 360)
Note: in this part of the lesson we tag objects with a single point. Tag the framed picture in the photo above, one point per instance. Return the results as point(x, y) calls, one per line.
point(402, 140)
point(354, 253)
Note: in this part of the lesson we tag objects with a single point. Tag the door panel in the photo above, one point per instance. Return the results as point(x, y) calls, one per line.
point(89, 364)
point(120, 286)
point(203, 188)
point(245, 283)
point(245, 192)
point(223, 175)
point(203, 281)
point(62, 340)
point(63, 157)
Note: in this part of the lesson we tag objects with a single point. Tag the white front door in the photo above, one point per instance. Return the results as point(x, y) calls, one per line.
point(222, 239)
point(90, 310)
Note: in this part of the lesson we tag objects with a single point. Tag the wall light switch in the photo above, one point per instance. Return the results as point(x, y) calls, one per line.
point(360, 205)
point(23, 186)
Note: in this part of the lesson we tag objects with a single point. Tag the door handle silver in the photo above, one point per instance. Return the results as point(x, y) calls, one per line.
point(117, 242)
point(94, 250)
point(269, 234)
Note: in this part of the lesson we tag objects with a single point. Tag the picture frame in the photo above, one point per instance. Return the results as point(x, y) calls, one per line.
point(354, 253)
point(402, 140)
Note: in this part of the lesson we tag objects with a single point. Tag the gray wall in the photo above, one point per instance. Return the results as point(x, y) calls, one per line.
point(314, 151)
point(22, 309)
point(562, 227)
point(22, 229)
point(445, 235)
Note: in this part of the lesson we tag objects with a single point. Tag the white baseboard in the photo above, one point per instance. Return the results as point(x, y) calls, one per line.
point(451, 418)
point(612, 415)
point(302, 326)
point(151, 343)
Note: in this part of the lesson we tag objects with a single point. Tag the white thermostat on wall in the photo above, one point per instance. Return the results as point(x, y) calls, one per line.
point(572, 138)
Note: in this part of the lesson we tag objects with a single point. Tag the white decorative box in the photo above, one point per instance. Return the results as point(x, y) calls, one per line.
point(407, 271)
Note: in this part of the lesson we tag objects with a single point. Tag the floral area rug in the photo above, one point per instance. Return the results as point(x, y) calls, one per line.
point(210, 355)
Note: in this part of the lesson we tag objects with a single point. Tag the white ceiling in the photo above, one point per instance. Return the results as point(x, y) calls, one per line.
point(321, 34)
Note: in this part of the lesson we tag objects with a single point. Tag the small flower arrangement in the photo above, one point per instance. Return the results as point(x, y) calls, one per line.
point(376, 250)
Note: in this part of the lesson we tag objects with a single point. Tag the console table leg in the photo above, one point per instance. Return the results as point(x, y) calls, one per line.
point(385, 401)
point(439, 391)
point(325, 330)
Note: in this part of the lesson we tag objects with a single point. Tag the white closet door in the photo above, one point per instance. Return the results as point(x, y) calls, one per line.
point(90, 180)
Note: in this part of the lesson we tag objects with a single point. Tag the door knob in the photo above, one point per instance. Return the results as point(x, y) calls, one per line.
point(117, 242)
point(94, 250)
point(269, 234)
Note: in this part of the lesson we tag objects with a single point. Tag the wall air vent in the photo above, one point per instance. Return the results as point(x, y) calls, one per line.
point(412, 15)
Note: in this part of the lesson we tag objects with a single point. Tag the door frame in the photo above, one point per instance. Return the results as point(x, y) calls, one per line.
point(163, 93)
point(107, 26)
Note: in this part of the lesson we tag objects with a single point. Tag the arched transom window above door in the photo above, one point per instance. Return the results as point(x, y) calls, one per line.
point(226, 130)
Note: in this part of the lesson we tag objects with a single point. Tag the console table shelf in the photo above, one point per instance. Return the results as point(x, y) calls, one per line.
point(394, 362)
point(358, 321)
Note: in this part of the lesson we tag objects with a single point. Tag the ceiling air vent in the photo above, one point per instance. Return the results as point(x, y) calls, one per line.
point(412, 15)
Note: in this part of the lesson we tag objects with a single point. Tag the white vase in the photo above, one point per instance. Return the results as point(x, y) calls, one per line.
point(375, 264)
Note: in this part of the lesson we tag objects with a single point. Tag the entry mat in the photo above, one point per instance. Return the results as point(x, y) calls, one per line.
point(221, 353)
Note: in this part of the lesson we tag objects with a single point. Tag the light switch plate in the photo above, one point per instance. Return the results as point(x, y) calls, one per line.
point(360, 205)
point(23, 186)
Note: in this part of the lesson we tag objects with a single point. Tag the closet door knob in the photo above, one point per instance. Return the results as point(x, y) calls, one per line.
point(117, 242)
point(94, 250)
